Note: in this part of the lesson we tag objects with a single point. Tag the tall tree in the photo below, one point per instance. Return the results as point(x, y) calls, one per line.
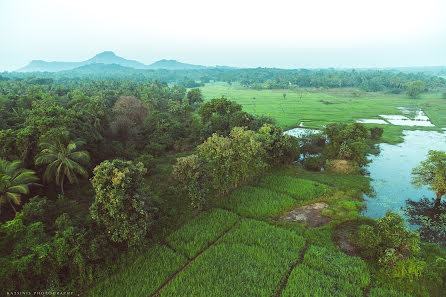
point(14, 181)
point(432, 172)
point(62, 159)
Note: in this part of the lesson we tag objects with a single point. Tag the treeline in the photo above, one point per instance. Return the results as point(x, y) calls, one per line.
point(257, 78)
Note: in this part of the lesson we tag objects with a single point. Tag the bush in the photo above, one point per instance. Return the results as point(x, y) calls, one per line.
point(388, 241)
point(376, 133)
point(314, 163)
point(148, 161)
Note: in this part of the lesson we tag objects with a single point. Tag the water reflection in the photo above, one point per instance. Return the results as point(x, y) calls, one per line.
point(430, 217)
point(391, 172)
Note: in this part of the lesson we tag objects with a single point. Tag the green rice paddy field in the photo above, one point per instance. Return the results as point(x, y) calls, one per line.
point(239, 248)
point(317, 107)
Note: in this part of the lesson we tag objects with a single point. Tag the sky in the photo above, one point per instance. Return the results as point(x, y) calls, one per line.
point(242, 33)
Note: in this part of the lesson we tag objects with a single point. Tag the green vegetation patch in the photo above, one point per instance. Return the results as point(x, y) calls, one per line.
point(250, 260)
point(279, 241)
point(381, 292)
point(258, 203)
point(338, 264)
point(301, 189)
point(201, 231)
point(306, 282)
point(144, 276)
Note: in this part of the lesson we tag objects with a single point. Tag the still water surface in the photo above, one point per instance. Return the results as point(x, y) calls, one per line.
point(391, 172)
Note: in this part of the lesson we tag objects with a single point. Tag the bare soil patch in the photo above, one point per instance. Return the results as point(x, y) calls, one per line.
point(310, 214)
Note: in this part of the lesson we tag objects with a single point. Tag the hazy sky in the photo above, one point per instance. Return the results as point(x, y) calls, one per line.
point(245, 33)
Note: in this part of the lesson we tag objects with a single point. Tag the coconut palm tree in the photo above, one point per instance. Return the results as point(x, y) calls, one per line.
point(62, 160)
point(14, 181)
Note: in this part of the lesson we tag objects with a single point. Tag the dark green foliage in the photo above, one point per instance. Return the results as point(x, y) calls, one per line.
point(347, 142)
point(337, 264)
point(120, 204)
point(376, 133)
point(415, 88)
point(312, 143)
point(201, 231)
point(314, 163)
point(44, 246)
point(388, 241)
point(279, 148)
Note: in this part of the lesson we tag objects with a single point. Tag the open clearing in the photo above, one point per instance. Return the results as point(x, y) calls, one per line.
point(318, 107)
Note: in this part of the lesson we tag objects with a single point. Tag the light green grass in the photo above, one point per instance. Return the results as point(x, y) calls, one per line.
point(306, 282)
point(301, 189)
point(337, 180)
point(201, 231)
point(338, 264)
point(306, 105)
point(279, 241)
point(258, 203)
point(250, 260)
point(144, 276)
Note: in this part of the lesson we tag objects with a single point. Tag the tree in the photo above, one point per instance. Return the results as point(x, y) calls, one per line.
point(194, 96)
point(129, 114)
point(415, 88)
point(120, 204)
point(14, 182)
point(432, 172)
point(63, 159)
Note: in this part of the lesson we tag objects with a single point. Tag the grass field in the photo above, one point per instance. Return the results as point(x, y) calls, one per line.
point(317, 107)
point(201, 231)
point(242, 250)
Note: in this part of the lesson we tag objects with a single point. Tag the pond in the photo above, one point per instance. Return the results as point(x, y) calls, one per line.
point(391, 173)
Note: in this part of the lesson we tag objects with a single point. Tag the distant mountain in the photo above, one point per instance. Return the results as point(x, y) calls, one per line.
point(105, 58)
point(99, 68)
point(110, 58)
point(173, 65)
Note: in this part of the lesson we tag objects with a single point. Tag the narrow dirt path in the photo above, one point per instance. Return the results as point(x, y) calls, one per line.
point(284, 281)
point(157, 292)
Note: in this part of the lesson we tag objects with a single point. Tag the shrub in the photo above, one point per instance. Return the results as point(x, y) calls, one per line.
point(388, 241)
point(376, 133)
point(314, 163)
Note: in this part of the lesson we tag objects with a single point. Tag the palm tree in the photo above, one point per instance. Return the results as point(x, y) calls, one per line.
point(14, 181)
point(62, 160)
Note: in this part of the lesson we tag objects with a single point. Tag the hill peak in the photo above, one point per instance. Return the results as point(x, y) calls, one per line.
point(106, 54)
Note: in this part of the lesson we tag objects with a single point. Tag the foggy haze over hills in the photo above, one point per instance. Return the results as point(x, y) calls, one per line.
point(288, 34)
